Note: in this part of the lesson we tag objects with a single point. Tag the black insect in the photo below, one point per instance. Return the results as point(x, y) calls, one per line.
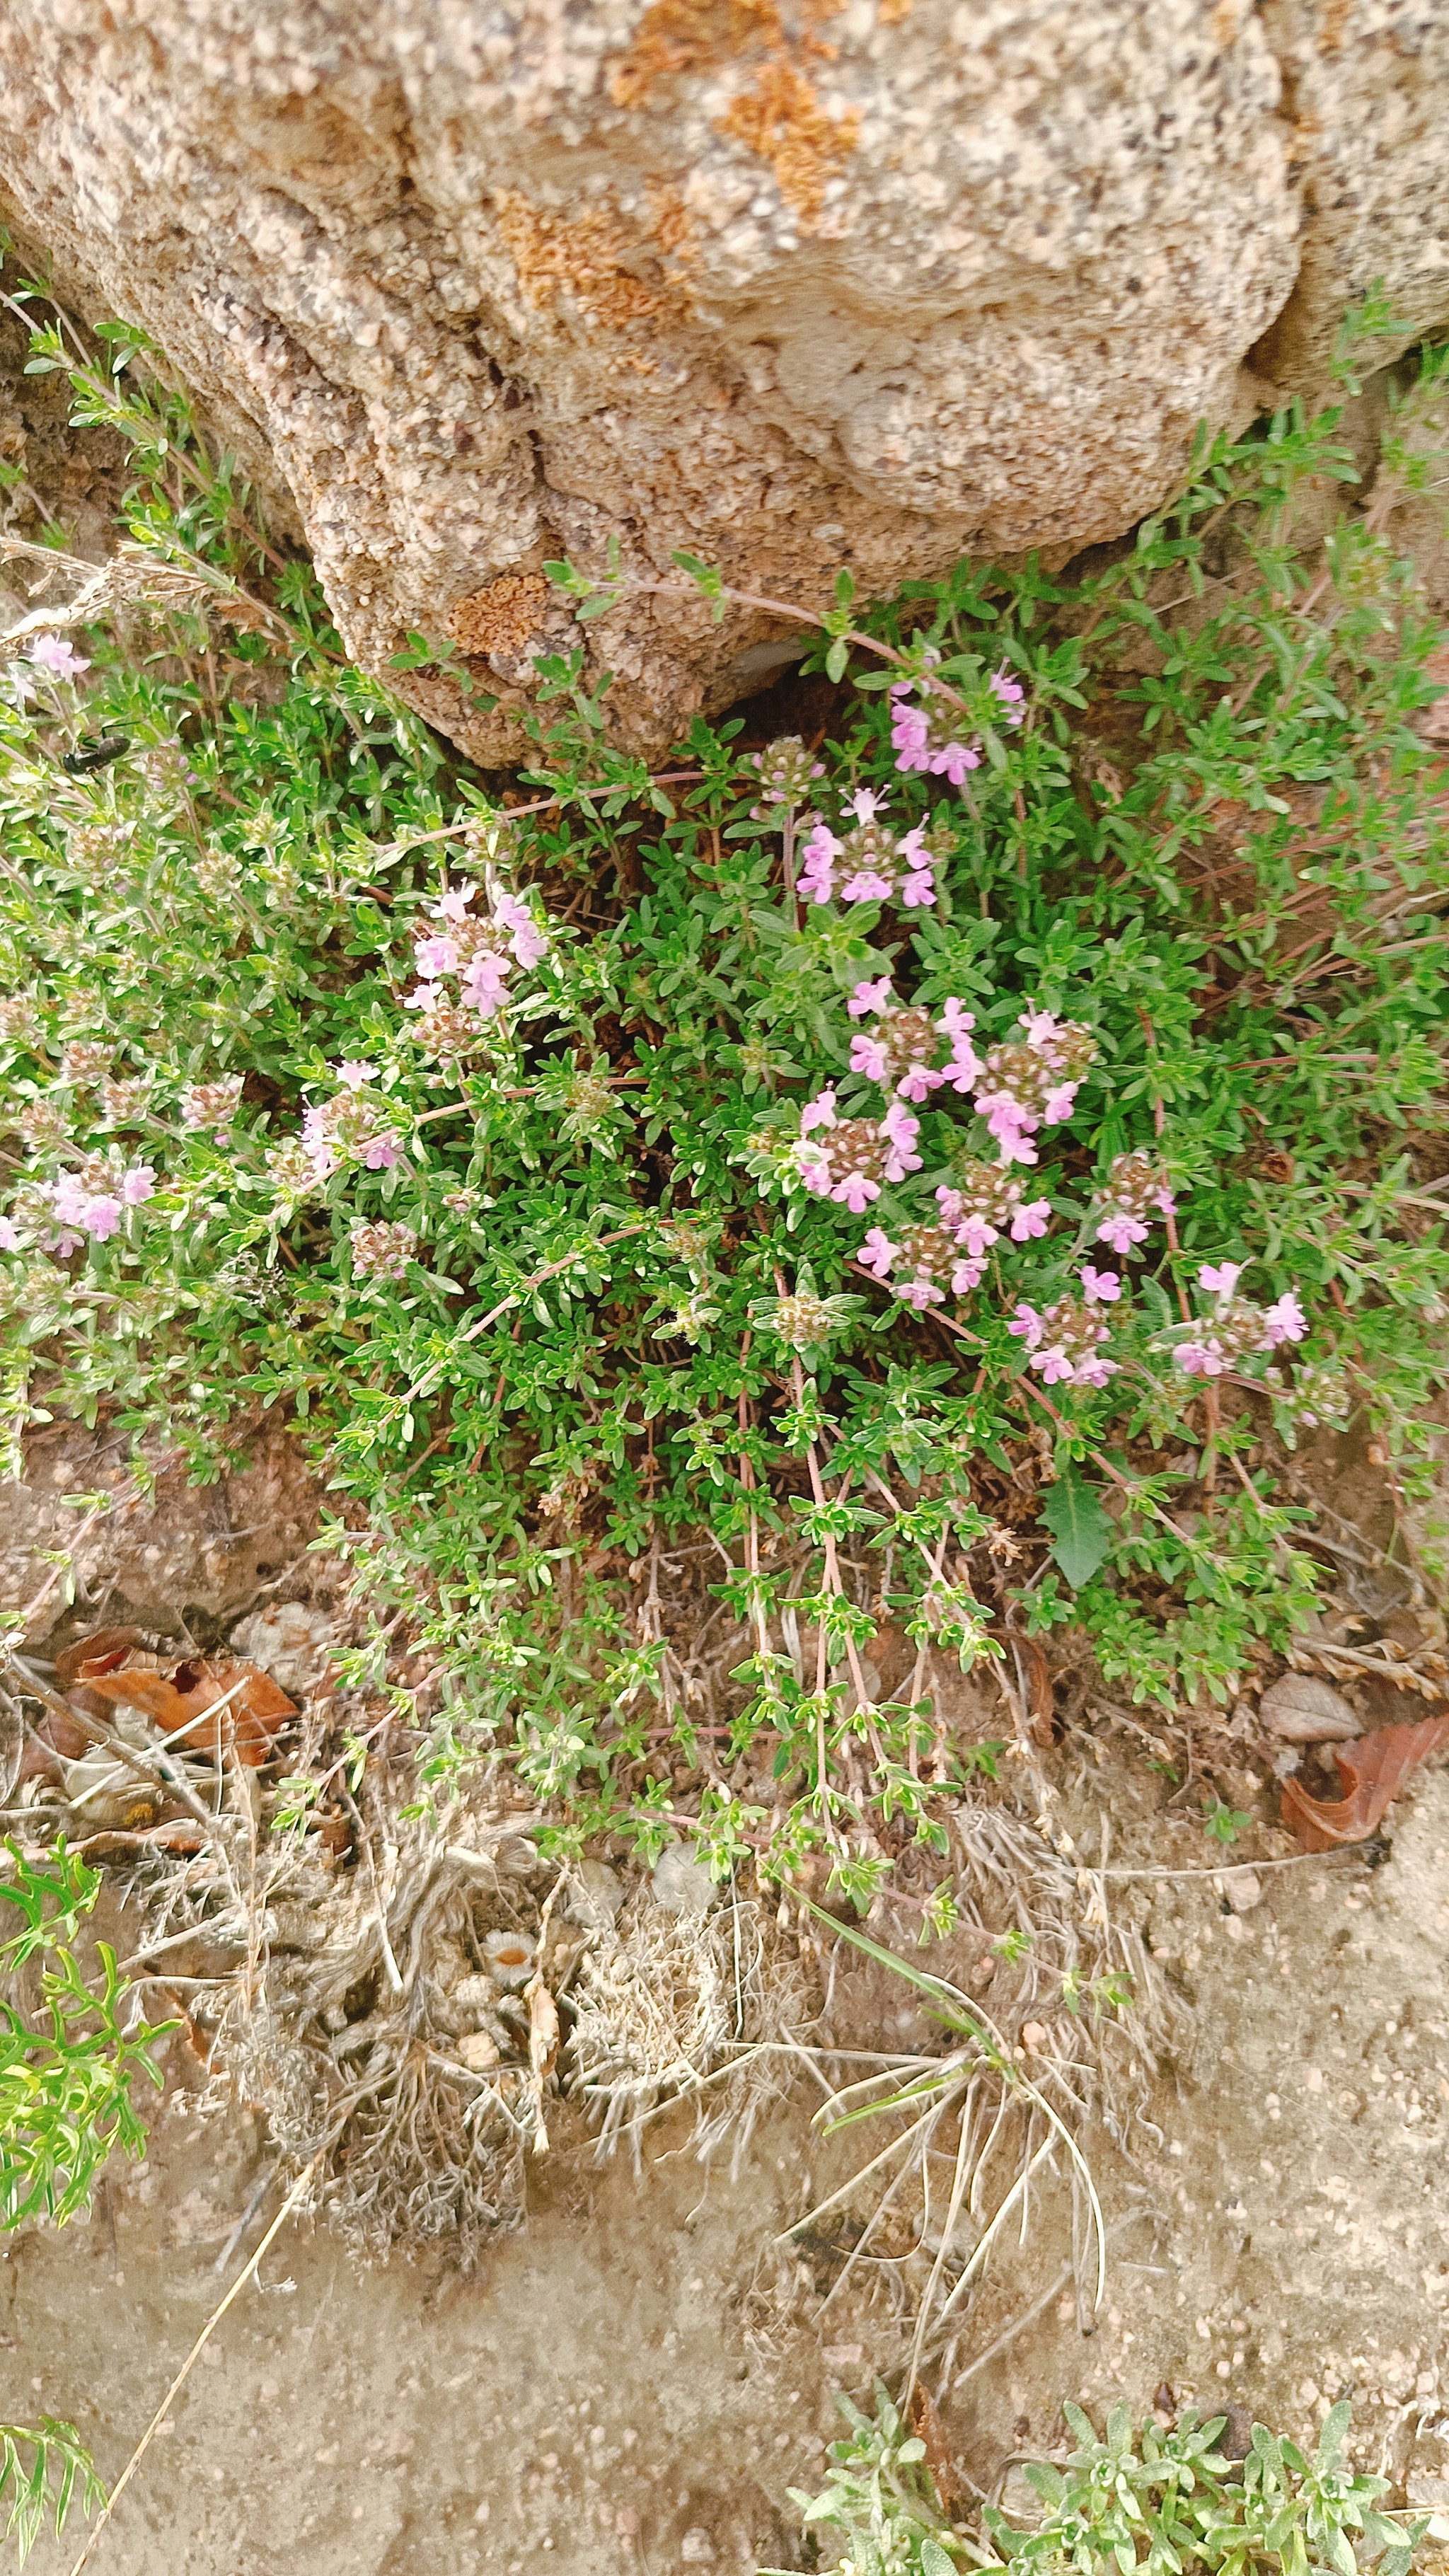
point(96, 754)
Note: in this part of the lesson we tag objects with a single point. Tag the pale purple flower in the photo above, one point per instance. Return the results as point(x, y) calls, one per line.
point(354, 1075)
point(920, 1292)
point(1026, 1324)
point(1093, 1370)
point(436, 956)
point(9, 1239)
point(453, 902)
point(1058, 1104)
point(1031, 1220)
point(484, 986)
point(524, 936)
point(426, 998)
point(866, 803)
point(953, 761)
point(965, 1276)
point(1120, 1231)
point(1042, 1028)
point(1199, 1359)
point(1010, 1125)
point(918, 890)
point(819, 1112)
point(1100, 1287)
point(855, 1191)
point(868, 1056)
point(900, 1131)
point(868, 997)
point(138, 1184)
point(1052, 1365)
point(816, 881)
point(1284, 1321)
point(102, 1216)
point(1222, 1280)
point(867, 886)
point(379, 1153)
point(57, 655)
point(1011, 694)
point(917, 1082)
point(878, 1252)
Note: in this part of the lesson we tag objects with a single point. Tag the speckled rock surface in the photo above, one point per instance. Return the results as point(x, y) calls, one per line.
point(787, 282)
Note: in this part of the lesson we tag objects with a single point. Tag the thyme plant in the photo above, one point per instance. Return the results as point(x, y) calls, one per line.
point(945, 1164)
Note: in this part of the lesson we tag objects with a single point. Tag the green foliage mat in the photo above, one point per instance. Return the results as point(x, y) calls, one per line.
point(531, 1247)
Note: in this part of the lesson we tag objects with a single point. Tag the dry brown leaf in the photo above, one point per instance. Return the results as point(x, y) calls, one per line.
point(1373, 1771)
point(927, 2426)
point(177, 1702)
point(1303, 1710)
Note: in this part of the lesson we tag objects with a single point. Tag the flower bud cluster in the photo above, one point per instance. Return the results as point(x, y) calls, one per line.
point(82, 1063)
point(867, 863)
point(383, 1251)
point(354, 1126)
point(847, 1159)
point(1136, 1191)
point(1065, 1342)
point(928, 735)
point(210, 1104)
point(1235, 1328)
point(785, 771)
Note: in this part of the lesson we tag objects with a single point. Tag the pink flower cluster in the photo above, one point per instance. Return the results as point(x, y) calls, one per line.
point(481, 951)
point(352, 1127)
point(1065, 1339)
point(1136, 1190)
point(1018, 1088)
point(92, 1202)
point(57, 655)
point(1236, 1327)
point(973, 1217)
point(847, 1159)
point(867, 863)
point(928, 736)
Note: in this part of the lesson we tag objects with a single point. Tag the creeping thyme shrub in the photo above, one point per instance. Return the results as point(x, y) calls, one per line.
point(946, 1163)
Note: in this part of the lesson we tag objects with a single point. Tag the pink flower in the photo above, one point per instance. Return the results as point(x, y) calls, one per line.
point(919, 890)
point(379, 1153)
point(868, 997)
point(900, 1131)
point(878, 1252)
point(1026, 1324)
point(1164, 1200)
point(1031, 1220)
point(1058, 1104)
point(1121, 1231)
point(102, 1216)
point(917, 1081)
point(1199, 1359)
point(425, 998)
point(1220, 1282)
point(868, 1056)
point(484, 986)
point(819, 1112)
point(1100, 1287)
point(436, 957)
point(1094, 1370)
point(856, 1192)
point(1010, 692)
point(866, 803)
point(524, 936)
point(1053, 1365)
point(953, 760)
point(920, 1292)
point(867, 886)
point(1041, 1027)
point(816, 881)
point(353, 1074)
point(814, 1171)
point(453, 902)
point(910, 734)
point(56, 654)
point(1010, 1125)
point(9, 1239)
point(68, 1200)
point(1284, 1321)
point(138, 1184)
point(965, 1276)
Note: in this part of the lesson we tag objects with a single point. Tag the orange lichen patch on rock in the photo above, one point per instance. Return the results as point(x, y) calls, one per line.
point(501, 618)
point(586, 255)
point(676, 36)
point(889, 13)
point(782, 121)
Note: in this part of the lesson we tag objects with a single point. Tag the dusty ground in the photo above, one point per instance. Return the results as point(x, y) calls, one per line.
point(635, 2378)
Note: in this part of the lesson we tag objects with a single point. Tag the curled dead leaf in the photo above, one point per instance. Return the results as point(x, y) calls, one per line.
point(1372, 1771)
point(176, 1697)
point(1303, 1710)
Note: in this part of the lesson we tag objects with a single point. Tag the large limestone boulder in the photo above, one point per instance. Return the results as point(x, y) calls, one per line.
point(789, 283)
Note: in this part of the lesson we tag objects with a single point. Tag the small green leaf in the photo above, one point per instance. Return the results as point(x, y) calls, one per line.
point(1081, 1532)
